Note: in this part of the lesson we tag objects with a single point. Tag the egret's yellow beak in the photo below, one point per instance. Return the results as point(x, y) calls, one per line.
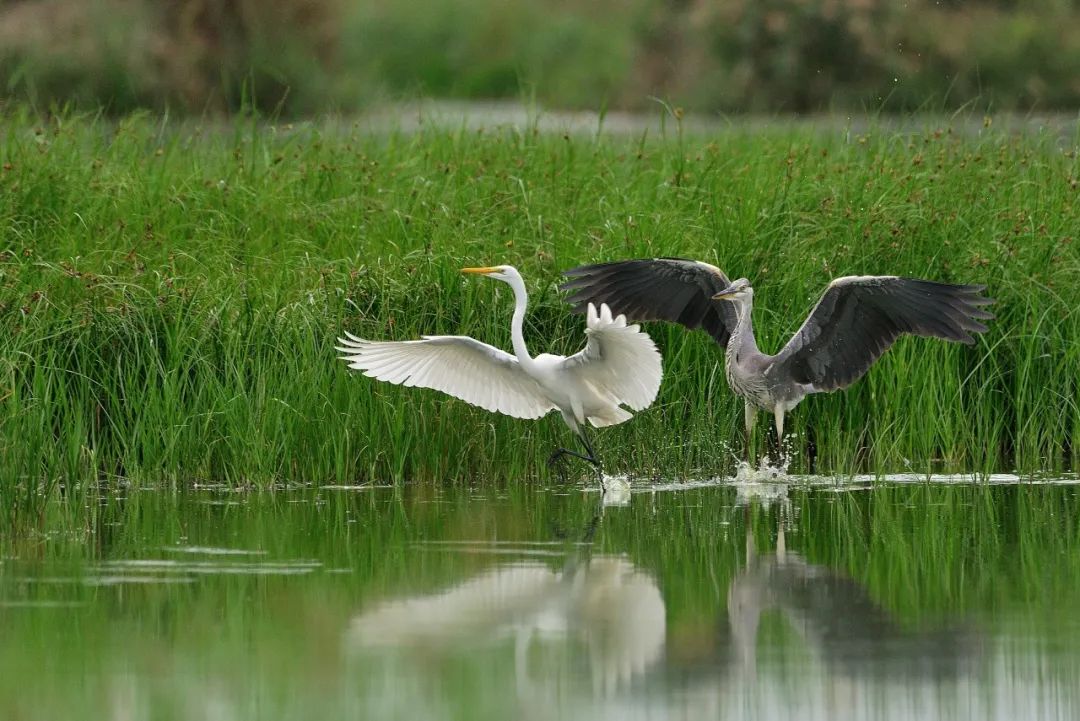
point(726, 294)
point(479, 271)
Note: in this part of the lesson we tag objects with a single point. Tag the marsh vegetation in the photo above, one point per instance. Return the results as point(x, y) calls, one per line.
point(170, 293)
point(204, 514)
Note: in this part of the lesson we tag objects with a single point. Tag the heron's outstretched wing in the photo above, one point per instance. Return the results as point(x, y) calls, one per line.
point(618, 358)
point(672, 289)
point(456, 365)
point(859, 317)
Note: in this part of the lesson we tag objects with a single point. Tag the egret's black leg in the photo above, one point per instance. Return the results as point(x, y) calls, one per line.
point(589, 456)
point(592, 458)
point(557, 458)
point(591, 526)
point(560, 453)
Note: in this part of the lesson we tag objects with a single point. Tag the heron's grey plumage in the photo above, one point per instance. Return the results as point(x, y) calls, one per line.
point(672, 289)
point(856, 320)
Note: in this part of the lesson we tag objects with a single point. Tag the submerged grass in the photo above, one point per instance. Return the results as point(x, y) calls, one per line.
point(170, 294)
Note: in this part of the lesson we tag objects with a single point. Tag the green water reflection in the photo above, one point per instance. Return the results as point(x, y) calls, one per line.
point(904, 601)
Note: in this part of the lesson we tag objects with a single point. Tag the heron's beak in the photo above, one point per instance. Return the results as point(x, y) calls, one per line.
point(727, 293)
point(479, 271)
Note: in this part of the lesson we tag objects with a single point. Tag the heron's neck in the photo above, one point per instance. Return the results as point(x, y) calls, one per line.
point(521, 301)
point(742, 337)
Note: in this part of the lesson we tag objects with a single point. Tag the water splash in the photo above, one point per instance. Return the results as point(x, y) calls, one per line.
point(764, 472)
point(768, 469)
point(768, 482)
point(616, 491)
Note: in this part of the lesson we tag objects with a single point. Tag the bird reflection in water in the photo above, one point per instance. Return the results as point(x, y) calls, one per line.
point(836, 618)
point(594, 633)
point(605, 602)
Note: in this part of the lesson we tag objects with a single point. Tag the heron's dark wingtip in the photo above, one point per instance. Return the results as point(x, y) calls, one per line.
point(573, 284)
point(973, 303)
point(579, 270)
point(974, 294)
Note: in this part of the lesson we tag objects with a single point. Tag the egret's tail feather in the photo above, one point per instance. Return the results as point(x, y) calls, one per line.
point(602, 319)
point(612, 417)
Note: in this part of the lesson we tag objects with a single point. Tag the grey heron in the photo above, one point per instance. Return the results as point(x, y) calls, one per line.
point(618, 366)
point(837, 617)
point(856, 320)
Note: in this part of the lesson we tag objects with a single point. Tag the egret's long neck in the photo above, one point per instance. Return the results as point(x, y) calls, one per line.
point(521, 301)
point(742, 337)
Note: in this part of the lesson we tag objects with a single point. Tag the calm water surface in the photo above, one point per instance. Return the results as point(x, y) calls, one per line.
point(811, 600)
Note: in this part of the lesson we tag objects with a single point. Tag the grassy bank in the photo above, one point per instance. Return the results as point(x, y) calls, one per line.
point(169, 296)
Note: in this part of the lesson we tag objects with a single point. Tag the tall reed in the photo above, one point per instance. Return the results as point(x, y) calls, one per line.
point(170, 294)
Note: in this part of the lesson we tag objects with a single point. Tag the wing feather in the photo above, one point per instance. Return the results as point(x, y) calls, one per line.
point(672, 289)
point(859, 318)
point(619, 358)
point(459, 366)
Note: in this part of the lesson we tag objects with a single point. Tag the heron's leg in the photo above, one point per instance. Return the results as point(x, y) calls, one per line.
point(778, 415)
point(749, 416)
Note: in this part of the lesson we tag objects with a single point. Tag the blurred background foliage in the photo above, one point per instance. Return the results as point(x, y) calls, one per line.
point(300, 57)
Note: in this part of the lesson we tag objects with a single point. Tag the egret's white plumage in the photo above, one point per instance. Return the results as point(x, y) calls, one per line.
point(617, 357)
point(457, 365)
point(618, 366)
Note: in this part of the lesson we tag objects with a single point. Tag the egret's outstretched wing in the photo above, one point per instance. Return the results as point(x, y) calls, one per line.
point(457, 365)
point(479, 607)
point(672, 289)
point(859, 317)
point(621, 359)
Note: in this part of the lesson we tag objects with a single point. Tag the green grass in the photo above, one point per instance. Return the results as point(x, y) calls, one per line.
point(170, 293)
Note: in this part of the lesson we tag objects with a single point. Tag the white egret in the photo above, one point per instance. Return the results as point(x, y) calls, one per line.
point(619, 366)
